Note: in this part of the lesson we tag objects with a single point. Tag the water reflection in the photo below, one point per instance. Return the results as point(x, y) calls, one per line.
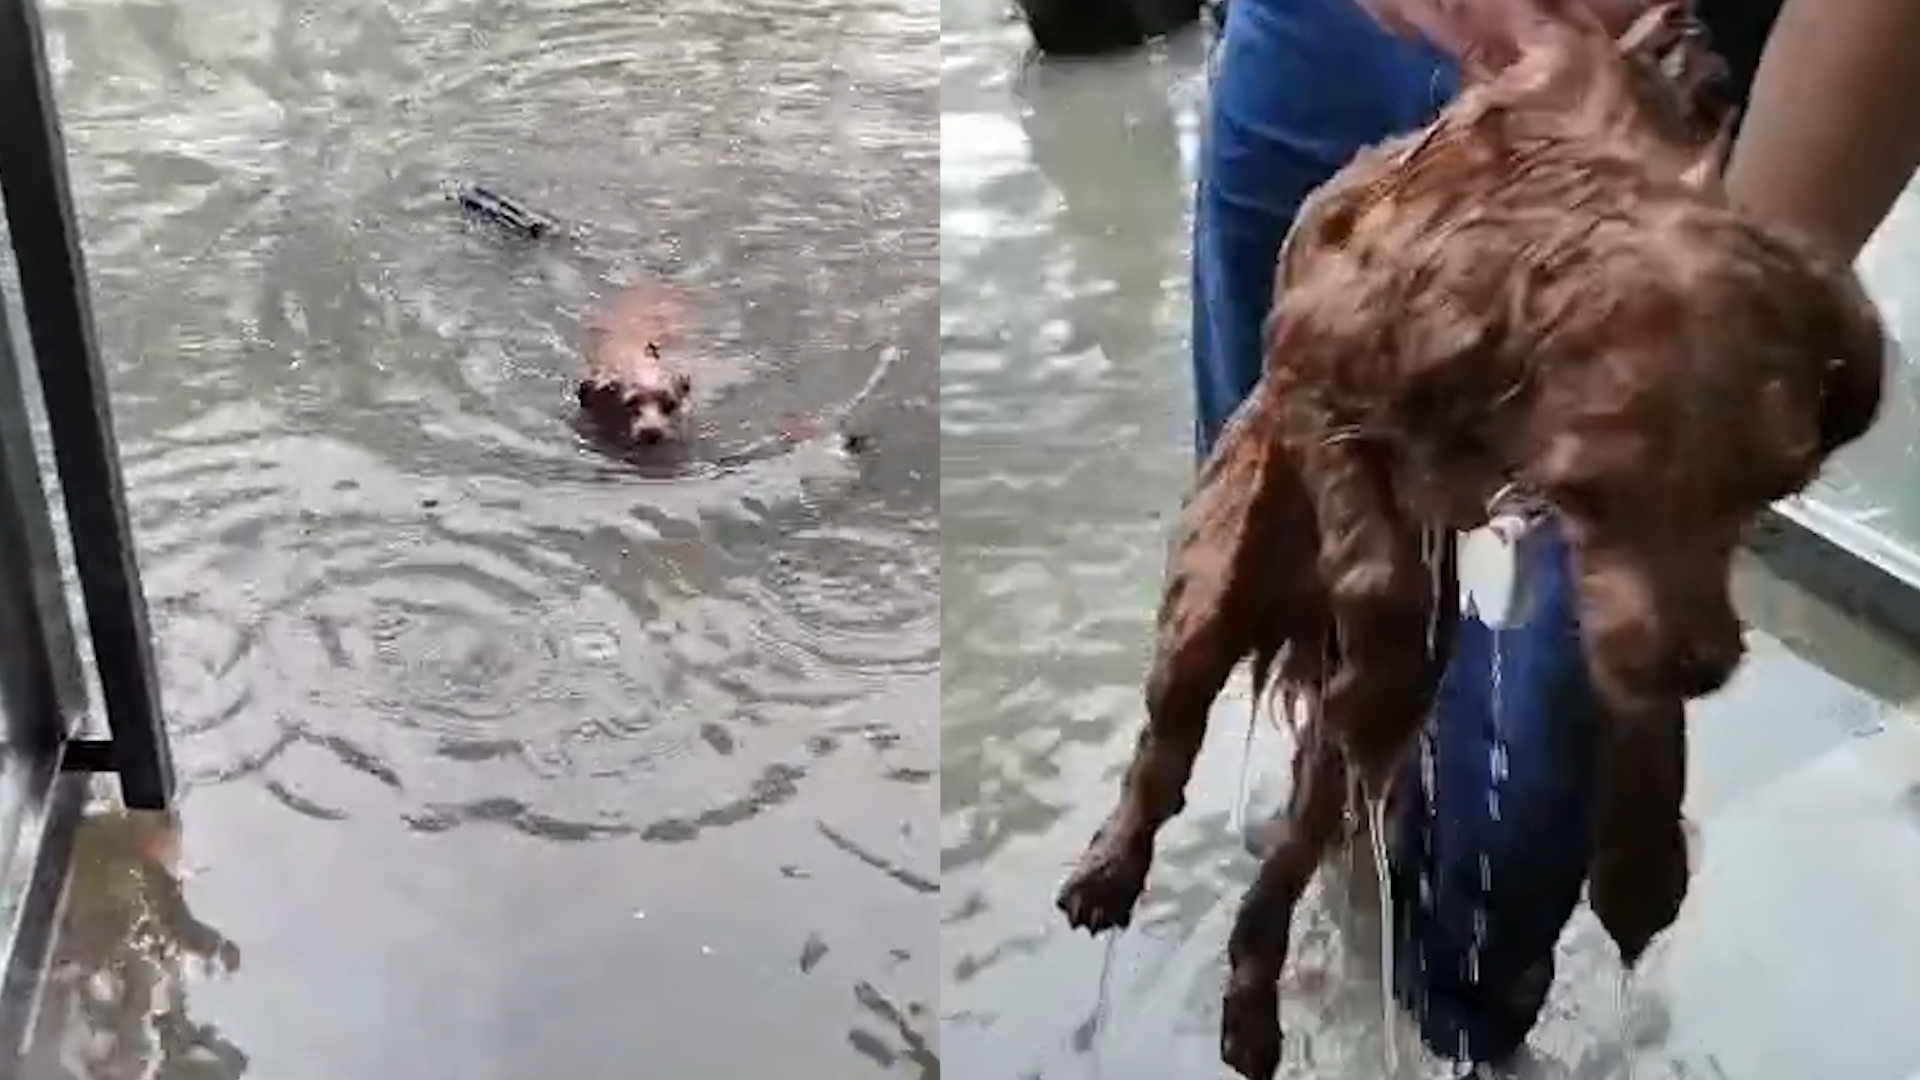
point(128, 951)
point(1064, 442)
point(455, 695)
point(1083, 122)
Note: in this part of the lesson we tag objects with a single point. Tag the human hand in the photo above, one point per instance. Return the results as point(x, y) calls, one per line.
point(1491, 32)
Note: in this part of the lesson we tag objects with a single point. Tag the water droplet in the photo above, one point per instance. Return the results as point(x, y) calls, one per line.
point(1377, 840)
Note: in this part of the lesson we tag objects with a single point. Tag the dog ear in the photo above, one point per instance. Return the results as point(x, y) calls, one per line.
point(591, 391)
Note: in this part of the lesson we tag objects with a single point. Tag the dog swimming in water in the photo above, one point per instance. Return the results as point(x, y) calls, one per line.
point(637, 390)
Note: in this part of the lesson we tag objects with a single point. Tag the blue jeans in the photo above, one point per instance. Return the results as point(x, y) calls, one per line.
point(1299, 87)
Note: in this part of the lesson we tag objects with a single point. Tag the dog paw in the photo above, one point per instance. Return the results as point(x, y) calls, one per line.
point(1102, 892)
point(1250, 1030)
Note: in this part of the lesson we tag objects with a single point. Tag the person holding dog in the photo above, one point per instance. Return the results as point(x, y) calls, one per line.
point(1831, 136)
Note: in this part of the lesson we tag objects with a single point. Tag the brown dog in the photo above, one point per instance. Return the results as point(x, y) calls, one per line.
point(638, 390)
point(1543, 290)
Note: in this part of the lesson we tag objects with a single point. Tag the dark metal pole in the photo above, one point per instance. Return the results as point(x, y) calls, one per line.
point(53, 286)
point(41, 695)
point(41, 692)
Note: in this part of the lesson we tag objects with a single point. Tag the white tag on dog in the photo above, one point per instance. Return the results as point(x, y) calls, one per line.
point(1492, 588)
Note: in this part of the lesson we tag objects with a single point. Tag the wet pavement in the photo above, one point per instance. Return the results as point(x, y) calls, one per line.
point(502, 760)
point(1065, 448)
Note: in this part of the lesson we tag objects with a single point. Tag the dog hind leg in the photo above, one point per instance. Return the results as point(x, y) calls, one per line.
point(1250, 1035)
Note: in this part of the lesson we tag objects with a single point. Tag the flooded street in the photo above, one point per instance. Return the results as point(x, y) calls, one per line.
point(1065, 448)
point(503, 760)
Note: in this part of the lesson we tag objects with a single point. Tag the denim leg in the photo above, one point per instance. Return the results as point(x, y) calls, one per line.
point(1299, 87)
point(1489, 865)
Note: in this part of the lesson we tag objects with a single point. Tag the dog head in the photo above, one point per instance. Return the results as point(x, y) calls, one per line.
point(1698, 376)
point(637, 391)
point(1712, 375)
point(640, 404)
point(1579, 310)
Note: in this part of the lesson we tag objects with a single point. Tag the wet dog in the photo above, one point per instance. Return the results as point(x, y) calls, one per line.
point(1544, 292)
point(638, 386)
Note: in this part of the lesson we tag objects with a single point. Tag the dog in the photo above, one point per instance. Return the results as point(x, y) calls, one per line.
point(638, 386)
point(1545, 292)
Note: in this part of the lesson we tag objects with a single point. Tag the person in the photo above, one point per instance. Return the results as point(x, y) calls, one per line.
point(1299, 87)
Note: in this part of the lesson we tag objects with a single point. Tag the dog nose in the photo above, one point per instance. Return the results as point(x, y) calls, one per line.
point(649, 436)
point(1696, 670)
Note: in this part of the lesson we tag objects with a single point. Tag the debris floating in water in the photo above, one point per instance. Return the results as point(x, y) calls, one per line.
point(812, 952)
point(503, 211)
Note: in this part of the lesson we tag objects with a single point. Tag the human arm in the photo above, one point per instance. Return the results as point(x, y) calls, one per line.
point(1490, 31)
point(1832, 128)
point(1832, 131)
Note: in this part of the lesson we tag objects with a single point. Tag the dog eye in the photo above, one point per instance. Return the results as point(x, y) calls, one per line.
point(669, 406)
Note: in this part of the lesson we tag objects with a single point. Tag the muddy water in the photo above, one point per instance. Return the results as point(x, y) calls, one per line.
point(503, 760)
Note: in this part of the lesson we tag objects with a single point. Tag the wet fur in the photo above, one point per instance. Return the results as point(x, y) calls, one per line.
point(1545, 286)
point(638, 387)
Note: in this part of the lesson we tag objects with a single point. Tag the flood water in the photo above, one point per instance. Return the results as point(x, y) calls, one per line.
point(502, 759)
point(1066, 446)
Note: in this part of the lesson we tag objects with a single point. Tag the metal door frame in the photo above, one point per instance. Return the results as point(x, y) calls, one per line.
point(51, 747)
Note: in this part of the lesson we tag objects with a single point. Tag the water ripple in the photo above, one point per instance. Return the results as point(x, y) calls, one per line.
point(395, 592)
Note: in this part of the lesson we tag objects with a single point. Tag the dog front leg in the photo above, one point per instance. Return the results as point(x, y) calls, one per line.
point(1638, 878)
point(1250, 1035)
point(1201, 642)
point(1243, 531)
